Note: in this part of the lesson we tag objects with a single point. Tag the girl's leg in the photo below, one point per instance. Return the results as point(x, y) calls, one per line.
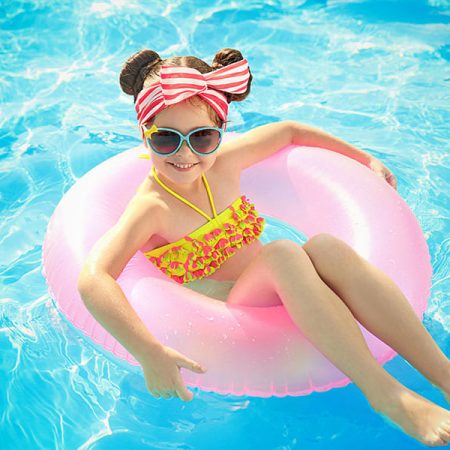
point(284, 269)
point(379, 305)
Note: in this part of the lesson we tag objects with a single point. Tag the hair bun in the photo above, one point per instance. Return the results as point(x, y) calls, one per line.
point(135, 70)
point(224, 58)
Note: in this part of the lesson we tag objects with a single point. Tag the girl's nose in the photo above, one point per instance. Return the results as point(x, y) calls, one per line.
point(185, 148)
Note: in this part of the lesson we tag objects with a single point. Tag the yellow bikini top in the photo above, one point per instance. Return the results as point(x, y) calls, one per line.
point(201, 252)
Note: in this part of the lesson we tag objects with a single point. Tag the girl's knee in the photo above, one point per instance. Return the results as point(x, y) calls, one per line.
point(281, 245)
point(283, 251)
point(329, 253)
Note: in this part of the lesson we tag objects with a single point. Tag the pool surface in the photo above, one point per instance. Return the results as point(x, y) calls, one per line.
point(375, 73)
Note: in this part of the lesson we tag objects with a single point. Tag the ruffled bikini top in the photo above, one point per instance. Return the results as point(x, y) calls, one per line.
point(201, 252)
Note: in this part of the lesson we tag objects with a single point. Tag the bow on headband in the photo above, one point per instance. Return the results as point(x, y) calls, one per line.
point(178, 83)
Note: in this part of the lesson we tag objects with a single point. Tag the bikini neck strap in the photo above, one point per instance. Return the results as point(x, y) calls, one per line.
point(208, 190)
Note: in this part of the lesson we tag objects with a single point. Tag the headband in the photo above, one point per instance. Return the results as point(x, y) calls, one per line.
point(177, 83)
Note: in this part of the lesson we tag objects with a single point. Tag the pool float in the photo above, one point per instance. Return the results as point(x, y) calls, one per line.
point(249, 349)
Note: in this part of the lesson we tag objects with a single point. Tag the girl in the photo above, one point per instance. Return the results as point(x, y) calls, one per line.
point(182, 105)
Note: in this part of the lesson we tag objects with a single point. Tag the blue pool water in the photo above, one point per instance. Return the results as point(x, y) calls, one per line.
point(375, 73)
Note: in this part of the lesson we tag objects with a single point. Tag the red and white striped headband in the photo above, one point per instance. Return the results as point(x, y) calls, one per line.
point(178, 83)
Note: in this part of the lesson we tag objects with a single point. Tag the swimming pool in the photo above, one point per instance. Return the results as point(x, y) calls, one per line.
point(374, 73)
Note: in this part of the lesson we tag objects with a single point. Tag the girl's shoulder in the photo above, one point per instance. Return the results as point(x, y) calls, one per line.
point(149, 200)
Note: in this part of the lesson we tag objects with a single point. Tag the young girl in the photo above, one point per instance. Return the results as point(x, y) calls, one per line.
point(191, 198)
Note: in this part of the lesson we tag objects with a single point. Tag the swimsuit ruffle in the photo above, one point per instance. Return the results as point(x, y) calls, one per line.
point(198, 258)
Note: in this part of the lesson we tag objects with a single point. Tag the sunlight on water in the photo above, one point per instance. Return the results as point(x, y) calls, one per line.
point(374, 73)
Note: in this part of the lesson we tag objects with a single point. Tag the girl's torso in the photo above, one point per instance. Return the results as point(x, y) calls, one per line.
point(181, 219)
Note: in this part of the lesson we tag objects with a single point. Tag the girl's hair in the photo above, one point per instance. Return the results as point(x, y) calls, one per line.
point(143, 67)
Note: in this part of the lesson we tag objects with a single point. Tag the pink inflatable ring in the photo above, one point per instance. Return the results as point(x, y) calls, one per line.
point(248, 350)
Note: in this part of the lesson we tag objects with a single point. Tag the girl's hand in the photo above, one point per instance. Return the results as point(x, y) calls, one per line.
point(381, 170)
point(162, 373)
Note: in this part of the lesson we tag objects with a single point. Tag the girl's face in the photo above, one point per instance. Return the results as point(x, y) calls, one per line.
point(183, 117)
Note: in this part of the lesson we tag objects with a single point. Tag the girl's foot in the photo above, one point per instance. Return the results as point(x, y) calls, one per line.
point(415, 415)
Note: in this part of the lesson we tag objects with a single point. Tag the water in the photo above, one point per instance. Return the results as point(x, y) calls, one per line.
point(375, 73)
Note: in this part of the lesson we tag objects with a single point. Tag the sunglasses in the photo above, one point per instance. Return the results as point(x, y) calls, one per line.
point(167, 141)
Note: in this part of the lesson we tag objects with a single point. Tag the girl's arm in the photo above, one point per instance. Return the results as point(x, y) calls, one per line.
point(307, 135)
point(97, 284)
point(106, 301)
point(303, 134)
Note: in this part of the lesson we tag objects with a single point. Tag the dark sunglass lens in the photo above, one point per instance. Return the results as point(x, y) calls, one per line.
point(164, 141)
point(205, 141)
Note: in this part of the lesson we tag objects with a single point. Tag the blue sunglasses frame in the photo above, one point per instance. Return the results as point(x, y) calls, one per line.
point(183, 137)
